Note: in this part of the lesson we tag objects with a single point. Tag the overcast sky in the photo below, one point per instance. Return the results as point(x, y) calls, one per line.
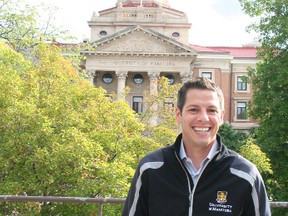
point(214, 22)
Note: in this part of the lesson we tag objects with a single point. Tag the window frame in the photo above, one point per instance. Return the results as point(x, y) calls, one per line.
point(240, 111)
point(140, 76)
point(137, 106)
point(242, 84)
point(207, 70)
point(171, 79)
point(169, 104)
point(103, 33)
point(176, 34)
point(110, 77)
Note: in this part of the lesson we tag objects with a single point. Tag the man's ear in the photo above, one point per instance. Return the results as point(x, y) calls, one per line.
point(222, 116)
point(178, 115)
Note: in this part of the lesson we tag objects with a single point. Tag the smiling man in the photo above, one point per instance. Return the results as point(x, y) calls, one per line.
point(197, 175)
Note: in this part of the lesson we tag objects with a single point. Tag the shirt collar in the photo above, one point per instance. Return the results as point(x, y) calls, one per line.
point(211, 153)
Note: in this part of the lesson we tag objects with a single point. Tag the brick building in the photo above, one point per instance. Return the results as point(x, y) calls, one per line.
point(141, 40)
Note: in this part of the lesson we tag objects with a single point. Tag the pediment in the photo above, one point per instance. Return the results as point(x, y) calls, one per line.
point(139, 40)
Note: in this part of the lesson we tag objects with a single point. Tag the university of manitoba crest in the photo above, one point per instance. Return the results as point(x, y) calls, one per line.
point(221, 197)
point(220, 205)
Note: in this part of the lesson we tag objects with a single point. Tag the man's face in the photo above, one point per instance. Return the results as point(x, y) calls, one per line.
point(201, 118)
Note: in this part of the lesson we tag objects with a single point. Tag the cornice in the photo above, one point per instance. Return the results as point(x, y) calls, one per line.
point(138, 54)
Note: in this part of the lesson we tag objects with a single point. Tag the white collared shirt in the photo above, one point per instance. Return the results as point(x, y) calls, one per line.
point(189, 164)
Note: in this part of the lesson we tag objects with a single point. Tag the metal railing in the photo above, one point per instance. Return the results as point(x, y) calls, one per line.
point(99, 201)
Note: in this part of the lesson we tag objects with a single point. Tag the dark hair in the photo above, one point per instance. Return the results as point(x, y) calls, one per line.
point(199, 83)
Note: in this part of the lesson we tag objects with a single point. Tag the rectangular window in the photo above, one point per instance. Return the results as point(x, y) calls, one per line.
point(241, 84)
point(169, 104)
point(207, 75)
point(137, 104)
point(241, 110)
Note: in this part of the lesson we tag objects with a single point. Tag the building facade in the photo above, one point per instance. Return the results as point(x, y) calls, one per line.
point(137, 41)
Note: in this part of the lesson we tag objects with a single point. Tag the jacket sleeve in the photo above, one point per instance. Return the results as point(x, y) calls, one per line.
point(264, 204)
point(258, 203)
point(137, 201)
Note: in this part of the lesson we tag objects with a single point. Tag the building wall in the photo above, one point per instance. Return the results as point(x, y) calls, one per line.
point(123, 53)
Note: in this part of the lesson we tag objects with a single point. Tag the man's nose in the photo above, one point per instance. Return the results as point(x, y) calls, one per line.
point(203, 116)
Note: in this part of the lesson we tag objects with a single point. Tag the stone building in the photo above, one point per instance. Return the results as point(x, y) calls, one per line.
point(141, 40)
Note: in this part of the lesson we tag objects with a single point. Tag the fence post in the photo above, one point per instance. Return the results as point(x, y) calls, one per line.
point(100, 209)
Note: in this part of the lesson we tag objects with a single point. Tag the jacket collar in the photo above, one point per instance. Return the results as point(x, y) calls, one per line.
point(221, 147)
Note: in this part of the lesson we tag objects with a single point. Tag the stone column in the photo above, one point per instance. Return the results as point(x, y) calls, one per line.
point(91, 75)
point(121, 78)
point(153, 77)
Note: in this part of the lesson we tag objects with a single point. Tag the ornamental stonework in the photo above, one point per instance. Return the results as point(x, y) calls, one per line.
point(135, 42)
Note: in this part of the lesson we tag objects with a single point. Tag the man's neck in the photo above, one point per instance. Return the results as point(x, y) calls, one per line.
point(197, 154)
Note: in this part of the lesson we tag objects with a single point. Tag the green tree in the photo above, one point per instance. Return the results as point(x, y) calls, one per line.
point(60, 136)
point(253, 153)
point(161, 106)
point(233, 139)
point(23, 26)
point(270, 86)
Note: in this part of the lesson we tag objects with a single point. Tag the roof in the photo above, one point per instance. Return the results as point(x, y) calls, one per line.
point(203, 49)
point(240, 52)
point(136, 4)
point(146, 5)
point(237, 52)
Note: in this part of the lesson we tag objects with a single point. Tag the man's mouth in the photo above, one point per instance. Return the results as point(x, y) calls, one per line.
point(201, 129)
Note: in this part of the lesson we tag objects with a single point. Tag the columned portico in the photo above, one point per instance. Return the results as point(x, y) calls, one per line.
point(136, 57)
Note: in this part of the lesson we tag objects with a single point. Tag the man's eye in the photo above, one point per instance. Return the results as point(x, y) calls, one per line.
point(213, 111)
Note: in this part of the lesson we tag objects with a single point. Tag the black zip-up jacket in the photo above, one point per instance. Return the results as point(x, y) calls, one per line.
point(228, 185)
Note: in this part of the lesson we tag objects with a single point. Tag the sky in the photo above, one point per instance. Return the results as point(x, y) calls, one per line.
point(214, 22)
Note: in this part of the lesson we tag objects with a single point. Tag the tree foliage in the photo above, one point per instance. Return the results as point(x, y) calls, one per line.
point(231, 138)
point(270, 86)
point(253, 153)
point(24, 26)
point(60, 136)
point(272, 24)
point(161, 107)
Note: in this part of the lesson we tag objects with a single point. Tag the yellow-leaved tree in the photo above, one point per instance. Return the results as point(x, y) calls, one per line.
point(60, 136)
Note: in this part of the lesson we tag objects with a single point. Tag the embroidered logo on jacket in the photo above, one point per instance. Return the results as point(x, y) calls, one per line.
point(221, 197)
point(220, 206)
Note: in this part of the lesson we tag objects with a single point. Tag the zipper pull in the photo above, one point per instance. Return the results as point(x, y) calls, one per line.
point(190, 199)
point(190, 204)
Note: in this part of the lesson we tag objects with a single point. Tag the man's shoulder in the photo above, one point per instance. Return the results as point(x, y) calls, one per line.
point(157, 155)
point(244, 166)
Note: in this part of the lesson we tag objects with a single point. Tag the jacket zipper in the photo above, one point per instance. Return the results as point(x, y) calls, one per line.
point(191, 192)
point(200, 174)
point(189, 185)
